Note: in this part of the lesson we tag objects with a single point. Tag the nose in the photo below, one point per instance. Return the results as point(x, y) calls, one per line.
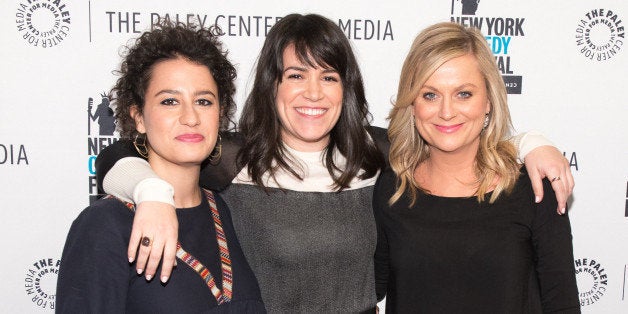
point(447, 110)
point(313, 90)
point(189, 116)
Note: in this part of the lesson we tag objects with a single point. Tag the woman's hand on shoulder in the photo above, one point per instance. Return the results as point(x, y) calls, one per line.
point(547, 162)
point(154, 235)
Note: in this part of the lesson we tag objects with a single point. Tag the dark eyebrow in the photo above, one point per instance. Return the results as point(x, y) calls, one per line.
point(302, 69)
point(205, 92)
point(176, 92)
point(296, 68)
point(167, 91)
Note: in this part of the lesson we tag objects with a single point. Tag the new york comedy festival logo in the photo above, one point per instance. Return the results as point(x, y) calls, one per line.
point(101, 129)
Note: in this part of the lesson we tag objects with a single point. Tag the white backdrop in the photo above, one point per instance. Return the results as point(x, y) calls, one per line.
point(566, 62)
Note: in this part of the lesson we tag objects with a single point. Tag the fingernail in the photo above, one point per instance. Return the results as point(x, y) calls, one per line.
point(164, 279)
point(562, 210)
point(149, 277)
point(537, 199)
point(131, 260)
point(139, 271)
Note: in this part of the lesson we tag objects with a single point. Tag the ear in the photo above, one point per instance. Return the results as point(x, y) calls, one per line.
point(488, 106)
point(139, 119)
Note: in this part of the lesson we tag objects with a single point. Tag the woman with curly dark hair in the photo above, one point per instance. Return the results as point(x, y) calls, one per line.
point(173, 98)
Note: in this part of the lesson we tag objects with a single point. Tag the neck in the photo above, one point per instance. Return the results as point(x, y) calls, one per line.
point(184, 180)
point(302, 146)
point(448, 173)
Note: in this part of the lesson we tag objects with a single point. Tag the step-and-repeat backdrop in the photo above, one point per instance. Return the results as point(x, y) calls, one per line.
point(564, 62)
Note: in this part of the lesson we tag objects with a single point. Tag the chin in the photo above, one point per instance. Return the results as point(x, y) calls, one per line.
point(192, 159)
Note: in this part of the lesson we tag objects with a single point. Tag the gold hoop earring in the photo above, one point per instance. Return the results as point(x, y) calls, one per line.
point(214, 157)
point(141, 147)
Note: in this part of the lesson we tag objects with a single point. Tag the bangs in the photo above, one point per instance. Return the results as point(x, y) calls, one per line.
point(315, 54)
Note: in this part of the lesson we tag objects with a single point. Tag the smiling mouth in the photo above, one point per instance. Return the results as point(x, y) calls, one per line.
point(311, 111)
point(449, 128)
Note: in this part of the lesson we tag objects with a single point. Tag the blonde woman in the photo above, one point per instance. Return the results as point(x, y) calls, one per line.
point(459, 229)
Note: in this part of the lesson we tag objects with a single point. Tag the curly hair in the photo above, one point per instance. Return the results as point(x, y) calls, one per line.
point(170, 41)
point(317, 41)
point(496, 157)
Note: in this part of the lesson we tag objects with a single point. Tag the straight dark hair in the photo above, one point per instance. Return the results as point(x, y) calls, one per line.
point(317, 42)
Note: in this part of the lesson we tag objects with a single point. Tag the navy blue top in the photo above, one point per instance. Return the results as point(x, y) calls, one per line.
point(95, 276)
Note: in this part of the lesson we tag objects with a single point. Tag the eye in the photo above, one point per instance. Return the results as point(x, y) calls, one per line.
point(465, 94)
point(429, 96)
point(169, 102)
point(204, 102)
point(294, 76)
point(331, 78)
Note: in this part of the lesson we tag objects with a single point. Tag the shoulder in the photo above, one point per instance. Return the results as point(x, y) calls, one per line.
point(522, 197)
point(232, 138)
point(100, 232)
point(105, 215)
point(378, 134)
point(386, 177)
point(523, 187)
point(380, 137)
point(384, 187)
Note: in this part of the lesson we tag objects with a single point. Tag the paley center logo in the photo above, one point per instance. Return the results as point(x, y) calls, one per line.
point(40, 282)
point(500, 32)
point(592, 280)
point(43, 23)
point(600, 34)
point(101, 132)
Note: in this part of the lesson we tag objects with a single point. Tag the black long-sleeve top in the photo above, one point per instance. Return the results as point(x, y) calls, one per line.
point(455, 255)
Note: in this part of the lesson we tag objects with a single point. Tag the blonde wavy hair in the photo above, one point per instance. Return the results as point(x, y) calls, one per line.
point(496, 156)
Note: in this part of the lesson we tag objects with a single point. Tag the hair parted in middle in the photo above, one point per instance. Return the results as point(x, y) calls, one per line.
point(496, 157)
point(317, 42)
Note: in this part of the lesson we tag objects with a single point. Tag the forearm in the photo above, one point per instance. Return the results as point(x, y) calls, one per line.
point(133, 180)
point(528, 141)
point(110, 155)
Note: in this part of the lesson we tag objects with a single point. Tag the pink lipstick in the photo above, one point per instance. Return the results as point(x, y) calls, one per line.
point(449, 128)
point(190, 138)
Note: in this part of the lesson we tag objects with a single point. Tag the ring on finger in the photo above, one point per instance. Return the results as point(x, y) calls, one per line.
point(146, 241)
point(555, 179)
